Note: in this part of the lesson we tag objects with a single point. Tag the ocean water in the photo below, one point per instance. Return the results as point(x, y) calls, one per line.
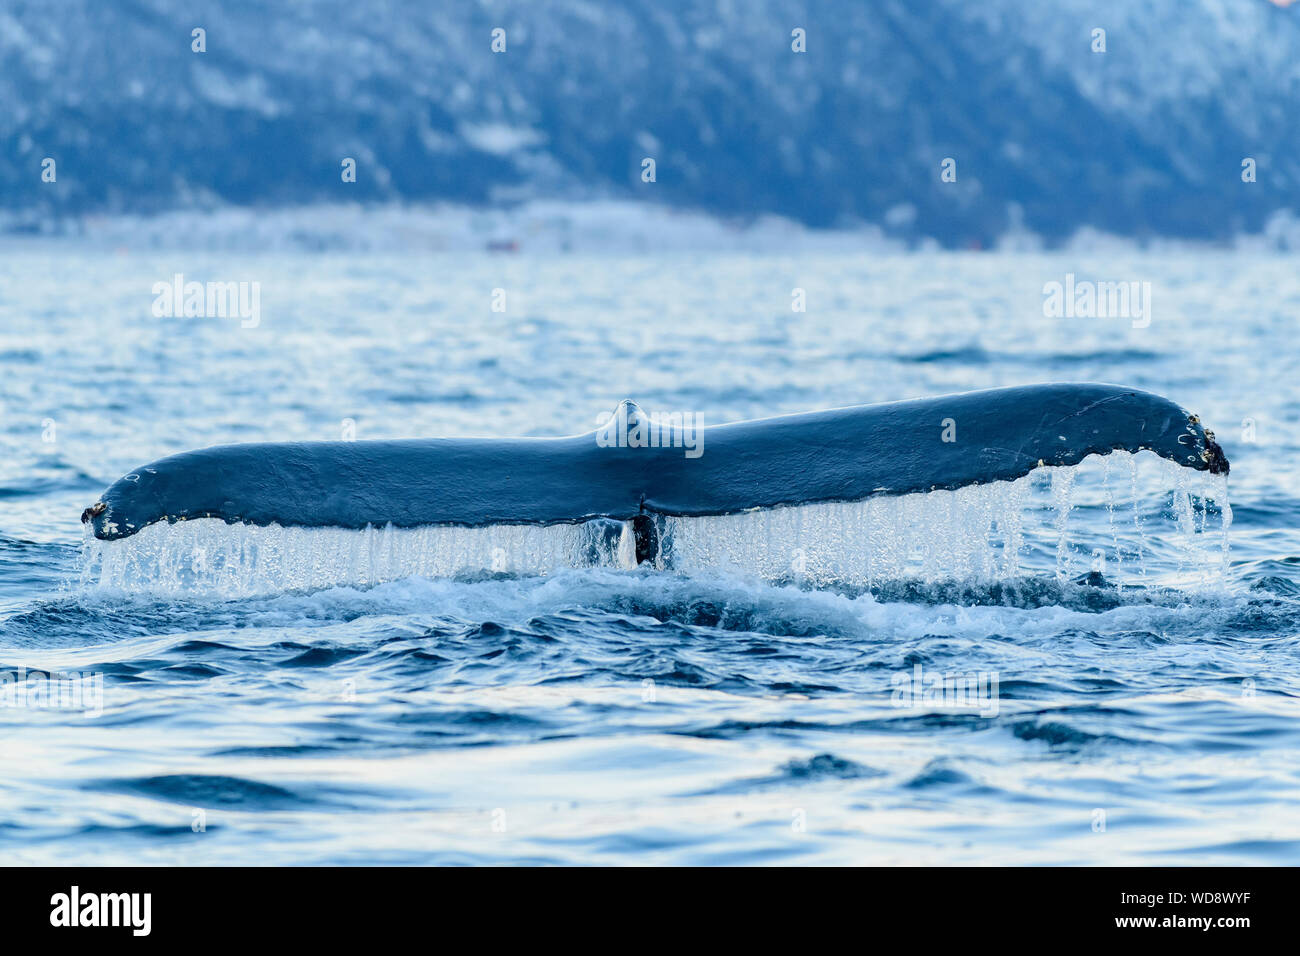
point(1106, 660)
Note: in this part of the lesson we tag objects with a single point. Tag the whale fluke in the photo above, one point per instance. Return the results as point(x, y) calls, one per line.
point(633, 468)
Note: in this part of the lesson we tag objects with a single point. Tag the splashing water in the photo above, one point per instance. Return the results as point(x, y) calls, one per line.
point(992, 532)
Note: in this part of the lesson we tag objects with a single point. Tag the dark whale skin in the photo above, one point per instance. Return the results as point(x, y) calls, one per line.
point(842, 454)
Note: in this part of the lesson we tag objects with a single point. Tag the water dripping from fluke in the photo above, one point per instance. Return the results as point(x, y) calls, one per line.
point(1064, 524)
point(921, 489)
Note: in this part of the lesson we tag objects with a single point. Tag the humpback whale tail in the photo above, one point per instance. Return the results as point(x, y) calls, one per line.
point(626, 474)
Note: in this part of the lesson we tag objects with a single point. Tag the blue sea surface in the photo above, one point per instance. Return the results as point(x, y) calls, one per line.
point(606, 716)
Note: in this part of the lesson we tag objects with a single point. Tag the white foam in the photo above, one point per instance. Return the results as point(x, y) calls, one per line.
point(1135, 519)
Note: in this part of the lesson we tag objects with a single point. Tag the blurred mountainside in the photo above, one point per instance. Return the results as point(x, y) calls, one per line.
point(1145, 139)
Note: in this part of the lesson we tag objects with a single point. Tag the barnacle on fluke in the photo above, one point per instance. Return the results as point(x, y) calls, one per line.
point(1216, 462)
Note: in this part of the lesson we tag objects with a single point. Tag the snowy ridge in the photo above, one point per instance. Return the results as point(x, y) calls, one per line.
point(1144, 139)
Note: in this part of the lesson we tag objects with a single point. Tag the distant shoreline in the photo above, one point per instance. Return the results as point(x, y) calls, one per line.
point(552, 226)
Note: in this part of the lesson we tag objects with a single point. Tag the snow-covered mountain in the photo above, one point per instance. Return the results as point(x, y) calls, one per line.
point(1146, 138)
